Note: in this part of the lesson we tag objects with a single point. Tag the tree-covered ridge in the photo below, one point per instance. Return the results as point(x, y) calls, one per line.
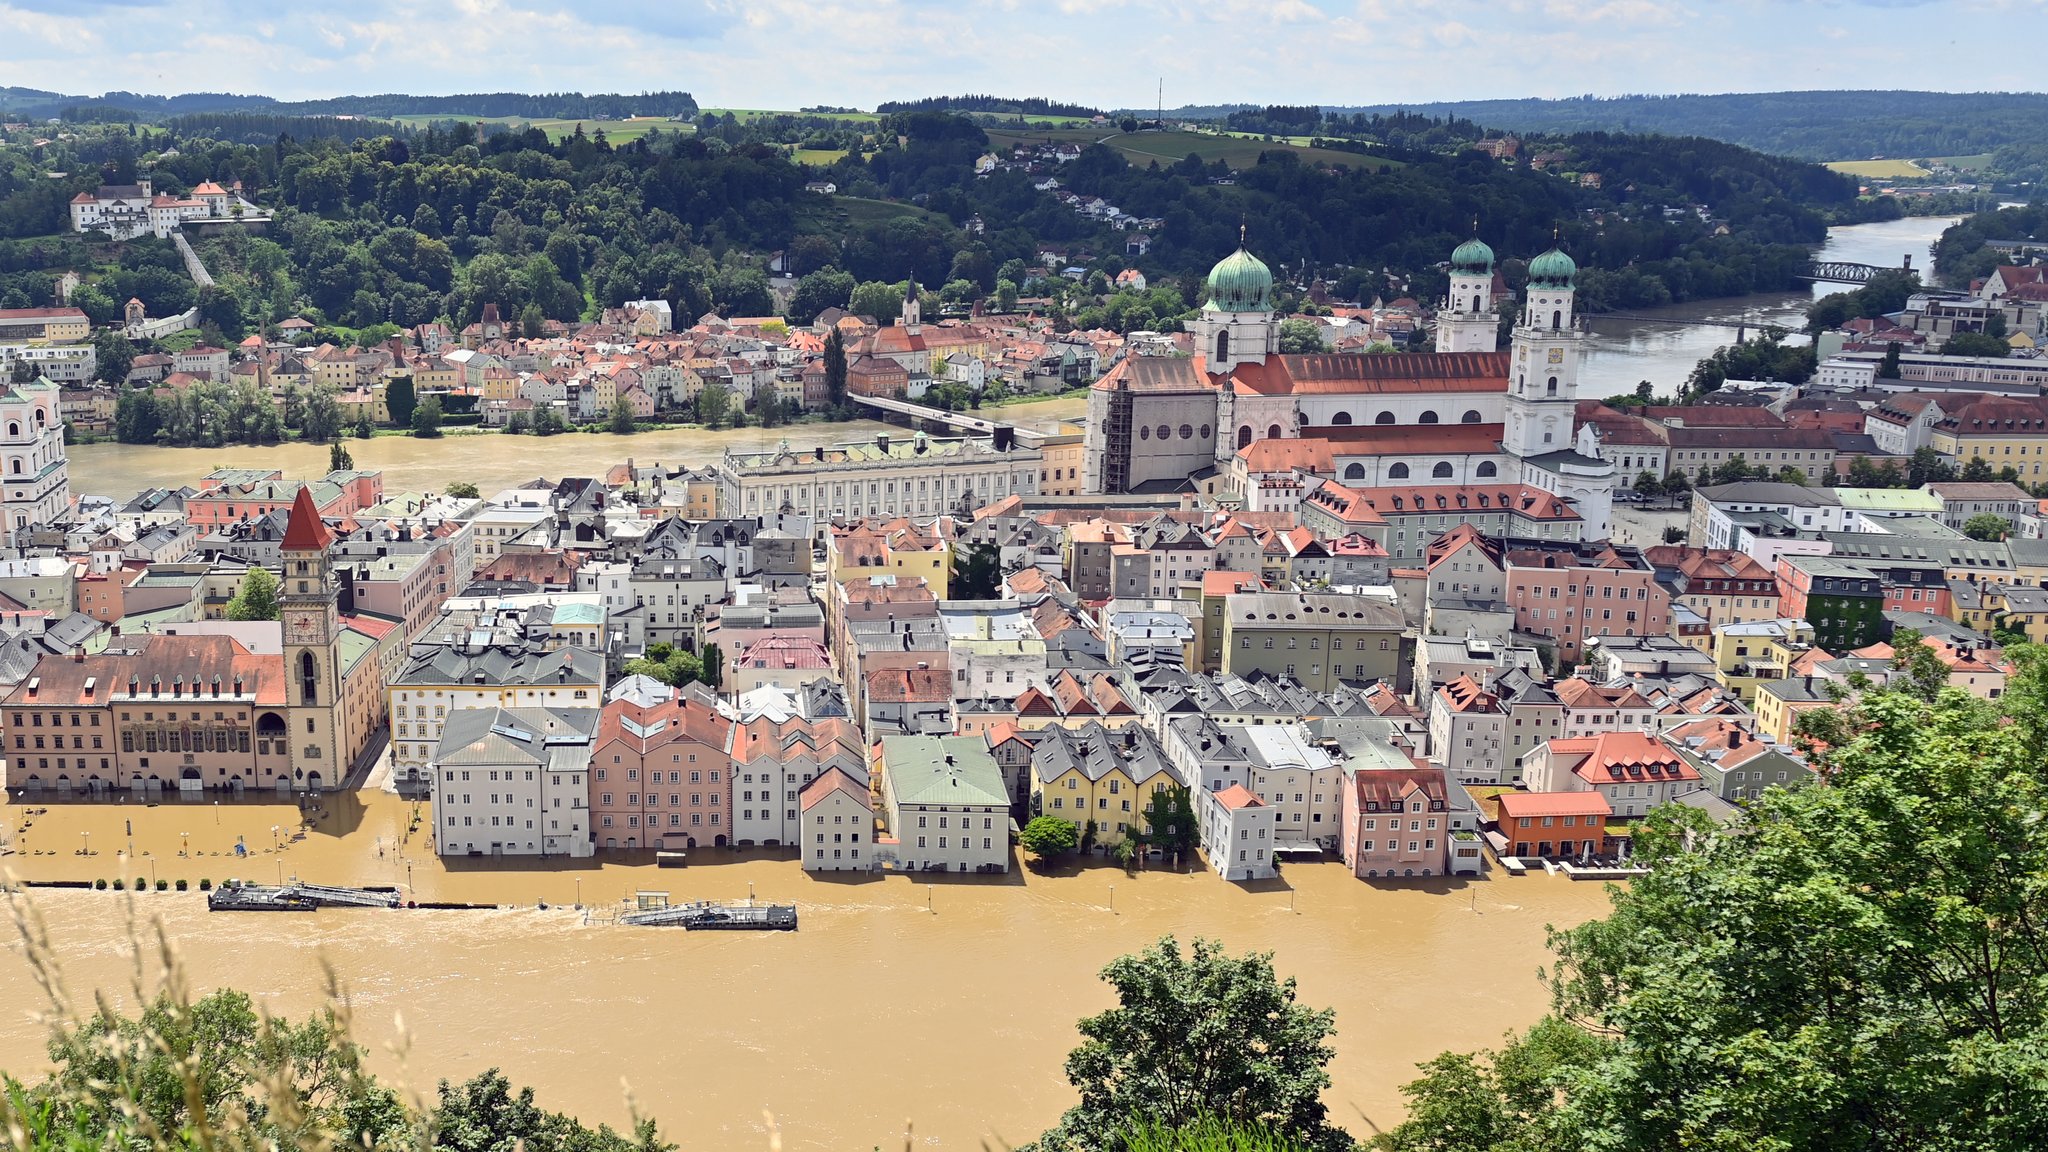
point(1826, 125)
point(999, 105)
point(534, 105)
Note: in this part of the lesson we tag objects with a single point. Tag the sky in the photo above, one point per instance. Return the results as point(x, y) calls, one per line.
point(1107, 53)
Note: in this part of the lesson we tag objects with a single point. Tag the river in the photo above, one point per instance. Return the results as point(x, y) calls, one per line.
point(951, 1005)
point(1626, 351)
point(491, 461)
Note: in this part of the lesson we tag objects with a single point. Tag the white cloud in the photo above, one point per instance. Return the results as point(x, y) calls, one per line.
point(784, 53)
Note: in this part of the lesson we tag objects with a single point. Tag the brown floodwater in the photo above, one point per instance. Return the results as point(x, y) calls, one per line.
point(950, 1005)
point(492, 462)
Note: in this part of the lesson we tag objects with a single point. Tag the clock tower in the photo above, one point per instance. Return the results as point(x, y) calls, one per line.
point(307, 607)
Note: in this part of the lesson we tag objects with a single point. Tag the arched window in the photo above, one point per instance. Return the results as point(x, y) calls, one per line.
point(42, 418)
point(14, 465)
point(1341, 419)
point(1471, 416)
point(1442, 471)
point(1272, 431)
point(13, 430)
point(309, 678)
point(1426, 418)
point(1223, 345)
point(1244, 436)
point(1556, 320)
point(1550, 389)
point(1486, 469)
point(1398, 472)
point(1384, 418)
point(1477, 306)
point(1354, 471)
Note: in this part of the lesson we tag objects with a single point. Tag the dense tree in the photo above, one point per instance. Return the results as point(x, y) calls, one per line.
point(835, 369)
point(257, 598)
point(1888, 368)
point(338, 458)
point(977, 572)
point(463, 490)
point(1194, 1034)
point(1300, 336)
point(714, 404)
point(399, 401)
point(712, 672)
point(1975, 344)
point(827, 287)
point(426, 418)
point(621, 422)
point(1852, 965)
point(1048, 838)
point(1987, 526)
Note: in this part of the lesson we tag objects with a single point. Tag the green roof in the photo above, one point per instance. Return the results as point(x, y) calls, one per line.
point(943, 770)
point(1472, 256)
point(1553, 269)
point(1890, 499)
point(1241, 282)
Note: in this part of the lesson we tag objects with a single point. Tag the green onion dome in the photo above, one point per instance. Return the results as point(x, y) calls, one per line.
point(1473, 256)
point(1553, 269)
point(1241, 282)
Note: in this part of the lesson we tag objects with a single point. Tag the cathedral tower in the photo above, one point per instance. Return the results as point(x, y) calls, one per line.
point(1467, 321)
point(1237, 324)
point(1543, 387)
point(307, 604)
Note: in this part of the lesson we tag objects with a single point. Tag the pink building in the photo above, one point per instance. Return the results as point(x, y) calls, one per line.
point(1568, 592)
point(230, 496)
point(661, 775)
point(1397, 823)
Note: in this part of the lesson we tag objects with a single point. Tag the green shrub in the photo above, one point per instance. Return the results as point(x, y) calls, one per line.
point(141, 885)
point(101, 885)
point(162, 884)
point(205, 884)
point(120, 886)
point(181, 885)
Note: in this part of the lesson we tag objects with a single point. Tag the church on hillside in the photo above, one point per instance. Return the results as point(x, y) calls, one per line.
point(1241, 421)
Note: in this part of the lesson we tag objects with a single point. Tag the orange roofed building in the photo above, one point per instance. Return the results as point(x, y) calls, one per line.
point(1632, 771)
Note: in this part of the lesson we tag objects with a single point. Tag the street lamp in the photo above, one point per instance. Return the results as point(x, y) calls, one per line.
point(88, 843)
point(1112, 899)
point(186, 848)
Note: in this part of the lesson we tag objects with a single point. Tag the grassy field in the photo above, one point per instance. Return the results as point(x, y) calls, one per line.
point(616, 131)
point(1879, 169)
point(746, 114)
point(818, 157)
point(1970, 163)
point(843, 214)
point(1167, 147)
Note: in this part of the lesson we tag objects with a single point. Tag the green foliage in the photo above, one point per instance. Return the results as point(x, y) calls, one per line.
point(257, 598)
point(207, 414)
point(1987, 526)
point(835, 369)
point(1853, 965)
point(1975, 344)
point(399, 401)
point(714, 404)
point(464, 490)
point(977, 572)
point(1194, 1036)
point(1048, 838)
point(338, 458)
point(1169, 818)
point(1763, 357)
point(877, 300)
point(672, 666)
point(621, 422)
point(1300, 336)
point(426, 418)
point(713, 671)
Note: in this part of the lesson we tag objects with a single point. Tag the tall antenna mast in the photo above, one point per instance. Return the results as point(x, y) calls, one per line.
point(1159, 117)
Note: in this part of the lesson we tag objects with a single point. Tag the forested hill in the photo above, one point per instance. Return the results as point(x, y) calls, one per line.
point(1835, 125)
point(563, 105)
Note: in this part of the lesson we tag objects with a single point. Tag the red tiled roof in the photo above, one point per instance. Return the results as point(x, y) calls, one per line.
point(305, 531)
point(1518, 804)
point(1237, 797)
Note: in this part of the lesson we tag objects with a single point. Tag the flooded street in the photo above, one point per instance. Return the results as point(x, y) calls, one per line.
point(491, 461)
point(877, 1010)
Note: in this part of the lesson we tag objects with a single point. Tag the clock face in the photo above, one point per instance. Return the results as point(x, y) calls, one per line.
point(301, 627)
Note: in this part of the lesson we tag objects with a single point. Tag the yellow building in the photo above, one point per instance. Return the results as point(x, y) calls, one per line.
point(1779, 704)
point(896, 547)
point(1059, 471)
point(1092, 776)
point(1748, 655)
point(2003, 431)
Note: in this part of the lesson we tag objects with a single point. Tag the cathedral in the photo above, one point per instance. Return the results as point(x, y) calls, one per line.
point(1241, 420)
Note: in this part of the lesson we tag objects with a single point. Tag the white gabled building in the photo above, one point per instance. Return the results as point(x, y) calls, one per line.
point(1238, 830)
point(838, 824)
point(514, 782)
point(948, 809)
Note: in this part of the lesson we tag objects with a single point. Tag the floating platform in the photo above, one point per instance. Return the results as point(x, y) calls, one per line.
point(235, 896)
point(707, 916)
point(1600, 872)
